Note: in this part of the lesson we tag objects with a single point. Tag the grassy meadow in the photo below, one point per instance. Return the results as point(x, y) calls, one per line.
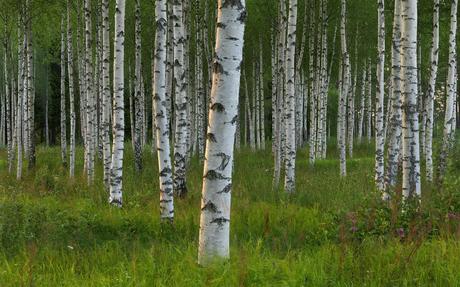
point(55, 231)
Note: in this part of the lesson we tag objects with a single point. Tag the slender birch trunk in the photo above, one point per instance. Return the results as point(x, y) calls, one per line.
point(395, 123)
point(351, 103)
point(429, 104)
point(449, 119)
point(311, 92)
point(290, 152)
point(217, 180)
point(343, 93)
point(106, 95)
point(118, 128)
point(369, 103)
point(180, 103)
point(161, 113)
point(262, 96)
point(138, 121)
point(379, 103)
point(63, 100)
point(8, 110)
point(71, 92)
point(410, 127)
point(90, 101)
point(362, 104)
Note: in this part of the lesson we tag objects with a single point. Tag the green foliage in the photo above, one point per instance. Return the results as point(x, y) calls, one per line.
point(332, 232)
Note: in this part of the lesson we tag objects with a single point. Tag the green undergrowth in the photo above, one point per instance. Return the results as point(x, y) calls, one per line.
point(333, 232)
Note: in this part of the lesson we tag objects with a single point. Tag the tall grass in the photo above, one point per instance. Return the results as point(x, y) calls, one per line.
point(333, 232)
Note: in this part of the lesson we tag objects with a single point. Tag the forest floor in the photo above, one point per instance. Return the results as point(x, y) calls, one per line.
point(332, 232)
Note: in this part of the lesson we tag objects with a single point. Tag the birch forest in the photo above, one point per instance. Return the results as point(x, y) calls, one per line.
point(229, 143)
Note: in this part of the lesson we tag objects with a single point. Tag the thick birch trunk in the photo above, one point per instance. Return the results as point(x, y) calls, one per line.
point(223, 114)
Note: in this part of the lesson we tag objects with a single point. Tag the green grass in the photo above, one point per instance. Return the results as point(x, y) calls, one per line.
point(333, 232)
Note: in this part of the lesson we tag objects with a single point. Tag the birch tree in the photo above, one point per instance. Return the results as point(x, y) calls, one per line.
point(118, 127)
point(70, 69)
point(223, 114)
point(138, 108)
point(395, 122)
point(449, 118)
point(379, 103)
point(343, 92)
point(290, 153)
point(161, 114)
point(410, 126)
point(63, 101)
point(180, 102)
point(434, 58)
point(106, 94)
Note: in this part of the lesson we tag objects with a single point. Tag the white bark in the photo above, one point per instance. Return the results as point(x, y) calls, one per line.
point(90, 97)
point(449, 118)
point(410, 127)
point(343, 93)
point(63, 100)
point(379, 103)
point(106, 94)
point(395, 123)
point(161, 113)
point(180, 102)
point(118, 128)
point(71, 93)
point(138, 107)
point(290, 153)
point(223, 113)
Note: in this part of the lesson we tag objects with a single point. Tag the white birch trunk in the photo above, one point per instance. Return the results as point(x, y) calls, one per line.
point(217, 181)
point(290, 153)
point(180, 102)
point(71, 92)
point(343, 93)
point(429, 104)
point(63, 100)
point(90, 99)
point(379, 103)
point(449, 119)
point(118, 127)
point(106, 94)
point(395, 123)
point(161, 113)
point(410, 127)
point(138, 107)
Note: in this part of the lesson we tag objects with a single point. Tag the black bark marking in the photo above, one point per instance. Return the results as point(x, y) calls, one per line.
point(210, 206)
point(218, 107)
point(226, 189)
point(211, 137)
point(225, 160)
point(214, 175)
point(233, 3)
point(220, 221)
point(217, 68)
